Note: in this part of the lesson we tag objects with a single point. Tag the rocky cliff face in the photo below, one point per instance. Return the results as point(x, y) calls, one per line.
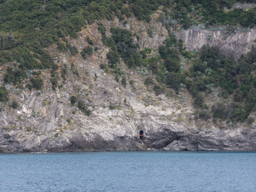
point(46, 121)
point(232, 42)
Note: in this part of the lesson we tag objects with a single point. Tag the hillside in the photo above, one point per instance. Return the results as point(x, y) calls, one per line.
point(89, 75)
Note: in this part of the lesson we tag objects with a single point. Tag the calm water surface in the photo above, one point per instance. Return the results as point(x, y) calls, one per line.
point(128, 171)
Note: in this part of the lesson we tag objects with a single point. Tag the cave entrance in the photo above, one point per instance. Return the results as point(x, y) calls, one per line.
point(142, 134)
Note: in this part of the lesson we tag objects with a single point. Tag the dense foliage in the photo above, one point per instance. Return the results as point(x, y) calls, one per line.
point(36, 83)
point(212, 69)
point(87, 51)
point(14, 76)
point(3, 94)
point(84, 108)
point(211, 12)
point(15, 104)
point(28, 26)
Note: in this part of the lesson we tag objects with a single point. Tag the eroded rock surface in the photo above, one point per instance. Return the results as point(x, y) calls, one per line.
point(234, 44)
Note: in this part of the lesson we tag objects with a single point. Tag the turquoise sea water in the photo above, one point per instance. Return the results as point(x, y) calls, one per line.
point(128, 171)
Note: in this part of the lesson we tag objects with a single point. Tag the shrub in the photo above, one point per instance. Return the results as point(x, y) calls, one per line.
point(117, 78)
point(102, 29)
point(250, 120)
point(131, 62)
point(113, 59)
point(37, 83)
point(15, 76)
point(149, 81)
point(147, 50)
point(112, 107)
point(68, 120)
point(153, 66)
point(103, 66)
point(173, 80)
point(199, 100)
point(14, 104)
point(172, 40)
point(62, 46)
point(211, 55)
point(171, 65)
point(126, 11)
point(237, 112)
point(143, 54)
point(73, 100)
point(87, 51)
point(63, 74)
point(36, 73)
point(73, 50)
point(204, 115)
point(95, 77)
point(123, 81)
point(219, 111)
point(238, 95)
point(89, 41)
point(158, 90)
point(54, 83)
point(83, 108)
point(3, 94)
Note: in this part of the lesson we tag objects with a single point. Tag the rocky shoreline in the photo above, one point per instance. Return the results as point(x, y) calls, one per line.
point(163, 140)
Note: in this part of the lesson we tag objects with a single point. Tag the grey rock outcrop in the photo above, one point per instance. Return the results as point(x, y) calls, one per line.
point(235, 43)
point(164, 139)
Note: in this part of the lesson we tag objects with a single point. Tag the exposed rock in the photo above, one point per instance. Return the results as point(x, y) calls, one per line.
point(234, 44)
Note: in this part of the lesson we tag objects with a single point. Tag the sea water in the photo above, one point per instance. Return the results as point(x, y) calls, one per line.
point(128, 171)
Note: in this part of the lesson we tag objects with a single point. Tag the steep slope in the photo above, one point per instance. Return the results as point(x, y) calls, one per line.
point(111, 105)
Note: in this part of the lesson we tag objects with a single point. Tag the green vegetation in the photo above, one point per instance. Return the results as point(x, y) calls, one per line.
point(14, 104)
point(63, 46)
point(14, 77)
point(123, 81)
point(3, 94)
point(73, 100)
point(112, 107)
point(37, 83)
point(54, 83)
point(64, 73)
point(149, 81)
point(87, 51)
point(158, 90)
point(81, 105)
point(89, 41)
point(84, 108)
point(211, 12)
point(250, 121)
point(53, 80)
point(212, 69)
point(29, 26)
point(74, 70)
point(68, 120)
